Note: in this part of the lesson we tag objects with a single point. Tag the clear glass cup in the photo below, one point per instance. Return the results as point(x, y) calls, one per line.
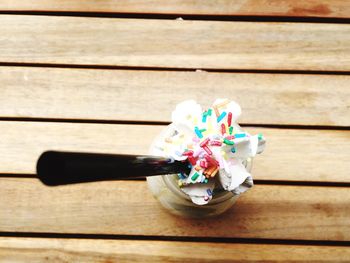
point(167, 191)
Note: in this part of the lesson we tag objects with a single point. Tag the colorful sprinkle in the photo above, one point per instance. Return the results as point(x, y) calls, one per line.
point(223, 129)
point(228, 142)
point(209, 112)
point(240, 135)
point(205, 142)
point(217, 113)
point(203, 164)
point(188, 153)
point(211, 160)
point(223, 153)
point(209, 171)
point(195, 176)
point(230, 130)
point(208, 158)
point(215, 143)
point(182, 176)
point(260, 137)
point(198, 132)
point(222, 115)
point(197, 168)
point(230, 137)
point(210, 127)
point(224, 103)
point(229, 119)
point(233, 149)
point(192, 160)
point(210, 193)
point(195, 139)
point(214, 172)
point(206, 148)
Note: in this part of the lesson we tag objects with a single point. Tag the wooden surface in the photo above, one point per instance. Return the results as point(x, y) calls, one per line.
point(290, 156)
point(72, 80)
point(297, 8)
point(296, 99)
point(267, 211)
point(174, 43)
point(87, 250)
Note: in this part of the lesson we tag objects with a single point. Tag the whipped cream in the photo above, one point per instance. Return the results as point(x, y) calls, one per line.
point(215, 147)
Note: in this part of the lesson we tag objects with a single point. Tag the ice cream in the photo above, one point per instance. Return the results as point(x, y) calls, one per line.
point(215, 146)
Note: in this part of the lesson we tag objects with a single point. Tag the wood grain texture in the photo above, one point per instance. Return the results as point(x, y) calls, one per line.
point(292, 155)
point(293, 8)
point(127, 208)
point(174, 43)
point(87, 250)
point(151, 95)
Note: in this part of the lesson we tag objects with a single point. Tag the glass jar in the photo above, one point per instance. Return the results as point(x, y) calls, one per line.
point(167, 191)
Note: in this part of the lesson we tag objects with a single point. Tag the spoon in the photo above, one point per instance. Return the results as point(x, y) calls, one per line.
point(60, 168)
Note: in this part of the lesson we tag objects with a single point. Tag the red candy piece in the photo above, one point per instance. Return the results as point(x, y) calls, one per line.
point(192, 160)
point(211, 160)
point(203, 164)
point(215, 143)
point(188, 153)
point(229, 119)
point(223, 129)
point(205, 142)
point(207, 150)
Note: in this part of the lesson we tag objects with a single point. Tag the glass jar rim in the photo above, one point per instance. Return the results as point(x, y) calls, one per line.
point(173, 186)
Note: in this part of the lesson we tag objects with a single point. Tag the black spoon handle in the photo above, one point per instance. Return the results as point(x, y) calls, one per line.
point(60, 168)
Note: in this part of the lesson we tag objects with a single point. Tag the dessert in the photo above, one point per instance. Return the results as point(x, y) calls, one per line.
point(215, 146)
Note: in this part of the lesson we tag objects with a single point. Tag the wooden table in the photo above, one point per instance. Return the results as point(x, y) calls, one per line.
point(104, 76)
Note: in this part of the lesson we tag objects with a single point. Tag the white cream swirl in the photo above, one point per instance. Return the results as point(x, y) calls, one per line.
point(215, 145)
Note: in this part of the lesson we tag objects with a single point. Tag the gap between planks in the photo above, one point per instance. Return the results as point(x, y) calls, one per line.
point(226, 18)
point(267, 241)
point(287, 8)
point(256, 181)
point(160, 123)
point(147, 68)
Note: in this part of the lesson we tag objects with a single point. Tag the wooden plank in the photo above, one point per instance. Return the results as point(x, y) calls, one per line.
point(174, 43)
point(293, 155)
point(92, 250)
point(292, 8)
point(149, 95)
point(127, 208)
